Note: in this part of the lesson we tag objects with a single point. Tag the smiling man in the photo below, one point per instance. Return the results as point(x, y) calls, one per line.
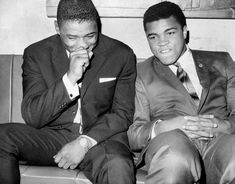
point(185, 106)
point(78, 102)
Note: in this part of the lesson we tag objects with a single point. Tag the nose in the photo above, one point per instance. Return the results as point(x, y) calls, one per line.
point(82, 44)
point(163, 40)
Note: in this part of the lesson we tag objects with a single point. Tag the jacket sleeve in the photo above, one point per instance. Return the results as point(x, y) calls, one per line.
point(43, 102)
point(139, 132)
point(230, 73)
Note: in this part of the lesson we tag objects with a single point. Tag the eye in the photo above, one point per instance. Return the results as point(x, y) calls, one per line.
point(71, 38)
point(152, 37)
point(91, 36)
point(170, 33)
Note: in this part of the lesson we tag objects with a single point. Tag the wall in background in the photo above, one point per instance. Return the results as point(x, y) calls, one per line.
point(23, 22)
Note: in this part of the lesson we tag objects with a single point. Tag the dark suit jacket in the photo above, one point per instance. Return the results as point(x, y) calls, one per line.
point(107, 108)
point(160, 95)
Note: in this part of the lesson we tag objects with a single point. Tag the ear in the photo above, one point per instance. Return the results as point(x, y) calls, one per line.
point(185, 31)
point(57, 27)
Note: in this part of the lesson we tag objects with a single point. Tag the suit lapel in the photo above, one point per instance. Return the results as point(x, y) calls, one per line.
point(169, 76)
point(60, 58)
point(96, 64)
point(203, 75)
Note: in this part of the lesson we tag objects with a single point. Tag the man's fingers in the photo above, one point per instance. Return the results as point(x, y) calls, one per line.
point(203, 124)
point(57, 157)
point(199, 117)
point(199, 135)
point(62, 163)
point(73, 166)
point(202, 121)
point(66, 165)
point(210, 116)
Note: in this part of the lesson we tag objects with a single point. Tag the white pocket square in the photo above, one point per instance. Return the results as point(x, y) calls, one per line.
point(107, 79)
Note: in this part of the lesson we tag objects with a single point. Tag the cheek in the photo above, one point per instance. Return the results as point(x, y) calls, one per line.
point(153, 48)
point(92, 42)
point(69, 44)
point(178, 49)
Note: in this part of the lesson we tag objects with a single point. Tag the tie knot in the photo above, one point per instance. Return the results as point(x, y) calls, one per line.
point(180, 73)
point(177, 64)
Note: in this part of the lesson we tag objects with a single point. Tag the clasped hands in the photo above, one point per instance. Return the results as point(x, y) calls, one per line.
point(200, 127)
point(203, 127)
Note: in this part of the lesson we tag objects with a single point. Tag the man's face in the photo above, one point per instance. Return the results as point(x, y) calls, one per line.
point(78, 35)
point(166, 39)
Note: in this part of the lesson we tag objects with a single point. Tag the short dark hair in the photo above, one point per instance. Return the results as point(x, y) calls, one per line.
point(77, 10)
point(164, 10)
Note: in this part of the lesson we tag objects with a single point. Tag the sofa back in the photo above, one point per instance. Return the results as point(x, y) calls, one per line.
point(10, 88)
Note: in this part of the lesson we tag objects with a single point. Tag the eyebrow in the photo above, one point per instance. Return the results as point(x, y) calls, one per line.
point(169, 29)
point(84, 35)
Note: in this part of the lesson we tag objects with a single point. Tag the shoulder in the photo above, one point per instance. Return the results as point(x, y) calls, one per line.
point(219, 61)
point(44, 45)
point(114, 46)
point(144, 67)
point(211, 58)
point(220, 55)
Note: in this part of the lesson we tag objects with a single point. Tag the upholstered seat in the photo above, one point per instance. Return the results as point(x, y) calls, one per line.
point(10, 100)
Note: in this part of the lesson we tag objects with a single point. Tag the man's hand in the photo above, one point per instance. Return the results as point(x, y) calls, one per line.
point(79, 61)
point(200, 127)
point(170, 124)
point(206, 126)
point(71, 154)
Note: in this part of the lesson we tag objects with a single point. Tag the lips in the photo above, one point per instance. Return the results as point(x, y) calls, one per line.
point(164, 51)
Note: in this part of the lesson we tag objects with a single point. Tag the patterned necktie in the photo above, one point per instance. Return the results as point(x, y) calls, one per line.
point(183, 77)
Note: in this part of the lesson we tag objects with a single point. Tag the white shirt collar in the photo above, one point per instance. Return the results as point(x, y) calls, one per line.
point(187, 63)
point(67, 53)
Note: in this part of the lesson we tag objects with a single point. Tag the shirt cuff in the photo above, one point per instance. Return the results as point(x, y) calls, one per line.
point(92, 142)
point(72, 90)
point(153, 134)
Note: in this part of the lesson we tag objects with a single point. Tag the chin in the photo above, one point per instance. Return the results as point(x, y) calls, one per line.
point(166, 62)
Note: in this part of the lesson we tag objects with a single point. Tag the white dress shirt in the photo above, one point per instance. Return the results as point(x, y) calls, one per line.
point(73, 92)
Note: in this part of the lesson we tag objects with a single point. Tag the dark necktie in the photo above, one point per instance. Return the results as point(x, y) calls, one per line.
point(183, 77)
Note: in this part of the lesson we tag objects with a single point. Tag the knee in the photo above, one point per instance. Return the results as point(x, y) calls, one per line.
point(116, 170)
point(177, 166)
point(7, 137)
point(172, 166)
point(172, 144)
point(182, 170)
point(119, 163)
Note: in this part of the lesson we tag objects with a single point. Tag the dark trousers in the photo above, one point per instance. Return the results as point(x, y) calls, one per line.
point(173, 158)
point(107, 163)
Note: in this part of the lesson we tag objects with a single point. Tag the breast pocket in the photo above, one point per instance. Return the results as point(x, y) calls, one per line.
point(106, 90)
